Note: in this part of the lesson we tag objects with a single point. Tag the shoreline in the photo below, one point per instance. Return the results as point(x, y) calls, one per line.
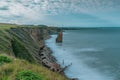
point(65, 66)
point(48, 60)
point(28, 43)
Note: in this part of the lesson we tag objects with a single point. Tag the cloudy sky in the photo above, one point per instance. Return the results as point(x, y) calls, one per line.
point(83, 13)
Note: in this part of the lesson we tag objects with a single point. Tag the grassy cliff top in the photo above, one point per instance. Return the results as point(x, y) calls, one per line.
point(9, 71)
point(7, 26)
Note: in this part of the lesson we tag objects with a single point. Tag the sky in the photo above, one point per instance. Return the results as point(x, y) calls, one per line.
point(79, 13)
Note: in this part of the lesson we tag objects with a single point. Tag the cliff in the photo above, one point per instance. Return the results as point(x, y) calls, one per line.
point(24, 42)
point(27, 43)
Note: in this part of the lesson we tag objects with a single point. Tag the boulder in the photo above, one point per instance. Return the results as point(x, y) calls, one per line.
point(74, 79)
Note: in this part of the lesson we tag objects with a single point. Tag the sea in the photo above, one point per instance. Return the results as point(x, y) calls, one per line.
point(93, 54)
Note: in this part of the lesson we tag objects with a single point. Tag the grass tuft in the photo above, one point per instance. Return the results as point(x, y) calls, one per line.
point(5, 59)
point(27, 75)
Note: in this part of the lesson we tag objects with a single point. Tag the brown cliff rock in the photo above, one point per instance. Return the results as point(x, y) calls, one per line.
point(47, 60)
point(59, 37)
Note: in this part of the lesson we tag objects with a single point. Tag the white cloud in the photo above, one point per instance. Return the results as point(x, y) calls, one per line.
point(19, 12)
point(36, 10)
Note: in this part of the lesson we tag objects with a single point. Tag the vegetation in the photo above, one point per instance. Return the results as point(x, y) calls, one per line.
point(18, 67)
point(4, 59)
point(27, 75)
point(20, 50)
point(7, 26)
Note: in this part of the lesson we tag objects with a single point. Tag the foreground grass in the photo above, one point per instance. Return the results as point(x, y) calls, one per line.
point(8, 71)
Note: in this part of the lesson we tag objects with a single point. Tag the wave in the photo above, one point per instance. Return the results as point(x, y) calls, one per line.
point(89, 50)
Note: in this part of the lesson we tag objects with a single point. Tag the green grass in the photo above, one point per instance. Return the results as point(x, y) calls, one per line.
point(5, 43)
point(28, 75)
point(20, 51)
point(4, 59)
point(7, 26)
point(19, 67)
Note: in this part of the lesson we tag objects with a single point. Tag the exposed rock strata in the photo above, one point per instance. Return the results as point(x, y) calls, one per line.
point(59, 37)
point(48, 60)
point(33, 41)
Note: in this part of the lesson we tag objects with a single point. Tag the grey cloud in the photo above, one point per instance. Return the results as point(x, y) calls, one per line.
point(4, 8)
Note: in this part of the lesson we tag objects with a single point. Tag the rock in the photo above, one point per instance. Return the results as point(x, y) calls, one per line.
point(48, 60)
point(74, 79)
point(55, 67)
point(59, 37)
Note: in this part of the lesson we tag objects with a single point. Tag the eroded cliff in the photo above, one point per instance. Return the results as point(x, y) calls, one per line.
point(27, 43)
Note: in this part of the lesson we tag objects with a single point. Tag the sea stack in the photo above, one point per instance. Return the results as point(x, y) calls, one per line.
point(59, 37)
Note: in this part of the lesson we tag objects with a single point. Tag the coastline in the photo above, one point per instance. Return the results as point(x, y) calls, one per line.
point(28, 43)
point(48, 60)
point(55, 57)
point(84, 56)
point(44, 55)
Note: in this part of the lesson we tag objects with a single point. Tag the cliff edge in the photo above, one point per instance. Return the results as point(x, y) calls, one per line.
point(27, 43)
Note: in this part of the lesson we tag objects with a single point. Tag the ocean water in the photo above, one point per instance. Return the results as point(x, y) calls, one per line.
point(93, 53)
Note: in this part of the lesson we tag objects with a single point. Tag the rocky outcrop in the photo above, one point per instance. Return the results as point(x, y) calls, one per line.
point(59, 37)
point(48, 60)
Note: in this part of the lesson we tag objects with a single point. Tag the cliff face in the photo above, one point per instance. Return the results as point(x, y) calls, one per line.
point(25, 42)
